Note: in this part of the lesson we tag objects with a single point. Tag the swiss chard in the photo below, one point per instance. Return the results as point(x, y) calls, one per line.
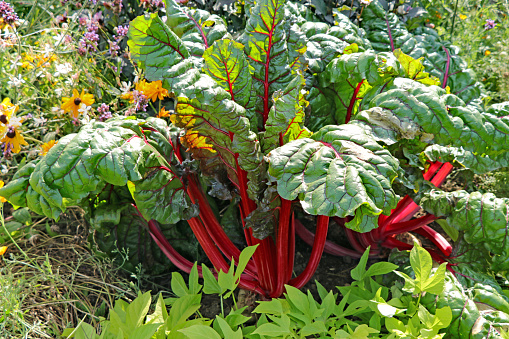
point(242, 132)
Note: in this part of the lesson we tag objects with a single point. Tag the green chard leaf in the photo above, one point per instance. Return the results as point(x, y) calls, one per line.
point(197, 28)
point(339, 171)
point(286, 117)
point(265, 41)
point(413, 111)
point(345, 81)
point(216, 125)
point(157, 50)
point(480, 218)
point(322, 47)
point(414, 69)
point(479, 310)
point(386, 33)
point(226, 63)
point(442, 60)
point(82, 164)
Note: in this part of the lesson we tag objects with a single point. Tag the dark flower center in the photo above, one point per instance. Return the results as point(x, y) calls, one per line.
point(11, 134)
point(77, 101)
point(3, 119)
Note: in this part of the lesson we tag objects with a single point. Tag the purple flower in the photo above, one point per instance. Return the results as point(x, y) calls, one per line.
point(121, 32)
point(103, 108)
point(490, 24)
point(114, 48)
point(7, 13)
point(140, 100)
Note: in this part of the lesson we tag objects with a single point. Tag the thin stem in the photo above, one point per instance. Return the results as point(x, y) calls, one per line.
point(291, 248)
point(308, 237)
point(454, 19)
point(282, 247)
point(407, 226)
point(353, 100)
point(316, 253)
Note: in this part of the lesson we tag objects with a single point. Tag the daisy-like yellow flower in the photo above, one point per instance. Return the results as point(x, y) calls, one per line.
point(463, 16)
point(13, 139)
point(154, 90)
point(73, 103)
point(487, 52)
point(3, 249)
point(163, 113)
point(7, 109)
point(2, 199)
point(47, 146)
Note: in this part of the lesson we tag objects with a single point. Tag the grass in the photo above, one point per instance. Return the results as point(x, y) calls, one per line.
point(485, 50)
point(53, 284)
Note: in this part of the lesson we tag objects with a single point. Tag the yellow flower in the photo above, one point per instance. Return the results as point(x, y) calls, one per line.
point(73, 103)
point(14, 138)
point(154, 90)
point(127, 96)
point(3, 249)
point(2, 199)
point(163, 113)
point(487, 52)
point(7, 109)
point(463, 16)
point(47, 146)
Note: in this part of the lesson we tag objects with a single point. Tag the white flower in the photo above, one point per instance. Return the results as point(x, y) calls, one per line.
point(38, 122)
point(16, 82)
point(126, 87)
point(15, 121)
point(48, 50)
point(84, 109)
point(57, 110)
point(365, 2)
point(62, 69)
point(59, 38)
point(59, 91)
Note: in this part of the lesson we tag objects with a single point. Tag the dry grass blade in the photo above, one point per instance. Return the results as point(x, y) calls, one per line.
point(57, 283)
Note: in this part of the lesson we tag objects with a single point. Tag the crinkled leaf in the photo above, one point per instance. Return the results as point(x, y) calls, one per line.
point(197, 28)
point(161, 196)
point(216, 124)
point(226, 63)
point(477, 163)
point(339, 171)
point(442, 60)
point(411, 110)
point(349, 77)
point(265, 45)
point(473, 315)
point(347, 31)
point(482, 219)
point(414, 69)
point(16, 190)
point(386, 33)
point(286, 117)
point(155, 47)
point(321, 46)
point(83, 162)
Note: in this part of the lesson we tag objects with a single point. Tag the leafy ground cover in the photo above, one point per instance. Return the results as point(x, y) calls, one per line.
point(183, 130)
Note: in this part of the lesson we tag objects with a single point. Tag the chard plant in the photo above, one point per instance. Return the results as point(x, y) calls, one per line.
point(292, 112)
